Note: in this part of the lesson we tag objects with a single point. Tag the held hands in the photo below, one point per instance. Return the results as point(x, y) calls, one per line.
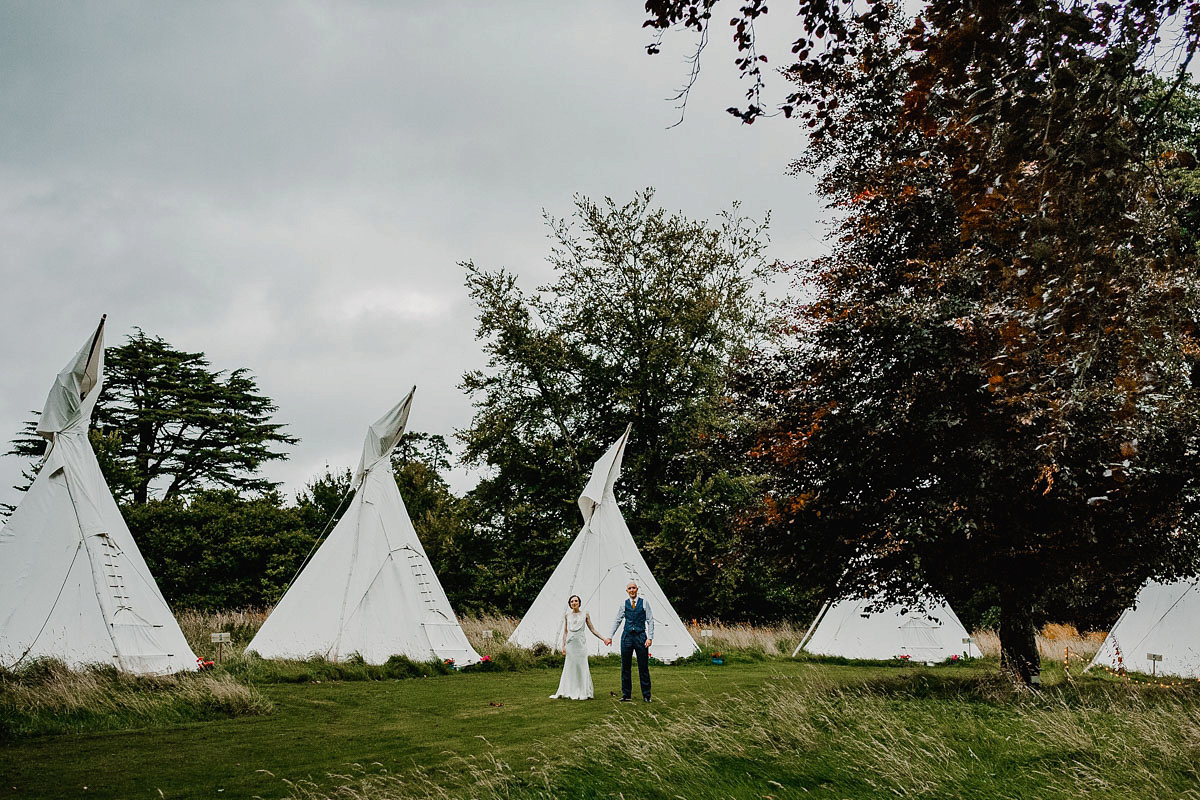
point(648, 643)
point(607, 641)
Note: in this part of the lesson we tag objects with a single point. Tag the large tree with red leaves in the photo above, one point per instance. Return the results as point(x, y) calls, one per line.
point(995, 381)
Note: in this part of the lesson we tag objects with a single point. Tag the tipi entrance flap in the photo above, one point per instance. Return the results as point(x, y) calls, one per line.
point(918, 637)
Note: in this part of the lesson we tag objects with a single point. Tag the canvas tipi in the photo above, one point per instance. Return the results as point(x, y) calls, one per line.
point(597, 567)
point(1164, 620)
point(845, 628)
point(75, 586)
point(369, 589)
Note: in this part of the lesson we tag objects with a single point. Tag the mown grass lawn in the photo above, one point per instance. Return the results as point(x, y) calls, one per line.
point(764, 729)
point(321, 728)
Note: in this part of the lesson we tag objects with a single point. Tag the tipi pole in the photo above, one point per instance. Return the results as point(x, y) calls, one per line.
point(808, 634)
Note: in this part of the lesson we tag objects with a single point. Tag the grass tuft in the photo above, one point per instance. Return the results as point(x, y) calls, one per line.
point(46, 697)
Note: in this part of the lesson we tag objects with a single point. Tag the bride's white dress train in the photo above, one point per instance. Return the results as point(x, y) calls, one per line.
point(576, 681)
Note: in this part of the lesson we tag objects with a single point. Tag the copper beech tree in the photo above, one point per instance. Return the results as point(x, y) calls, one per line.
point(993, 379)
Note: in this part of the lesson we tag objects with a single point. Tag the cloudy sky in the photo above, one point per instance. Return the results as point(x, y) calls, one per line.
point(289, 186)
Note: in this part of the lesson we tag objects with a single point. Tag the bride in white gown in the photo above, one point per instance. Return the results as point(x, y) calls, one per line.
point(576, 681)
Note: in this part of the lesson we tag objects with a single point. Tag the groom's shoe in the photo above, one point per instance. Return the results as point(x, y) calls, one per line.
point(646, 699)
point(624, 700)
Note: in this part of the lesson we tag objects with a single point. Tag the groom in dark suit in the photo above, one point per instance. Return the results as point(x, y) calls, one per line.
point(635, 613)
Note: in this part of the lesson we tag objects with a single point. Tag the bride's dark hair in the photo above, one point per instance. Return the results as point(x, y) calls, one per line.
point(574, 597)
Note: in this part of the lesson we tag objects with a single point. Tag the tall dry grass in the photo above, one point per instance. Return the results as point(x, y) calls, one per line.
point(46, 696)
point(197, 627)
point(488, 634)
point(776, 639)
point(1053, 642)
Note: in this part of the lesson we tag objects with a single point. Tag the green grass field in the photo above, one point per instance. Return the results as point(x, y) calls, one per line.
point(770, 728)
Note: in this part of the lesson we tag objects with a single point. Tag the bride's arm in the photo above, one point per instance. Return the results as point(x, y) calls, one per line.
point(564, 646)
point(588, 619)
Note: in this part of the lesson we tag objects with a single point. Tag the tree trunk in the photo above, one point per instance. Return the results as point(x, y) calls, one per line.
point(1018, 645)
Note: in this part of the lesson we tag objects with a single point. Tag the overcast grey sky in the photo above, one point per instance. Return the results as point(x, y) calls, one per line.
point(289, 186)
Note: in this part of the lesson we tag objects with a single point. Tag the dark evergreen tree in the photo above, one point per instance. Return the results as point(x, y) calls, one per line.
point(167, 424)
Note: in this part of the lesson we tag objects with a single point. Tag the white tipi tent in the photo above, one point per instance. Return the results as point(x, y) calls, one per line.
point(75, 586)
point(597, 567)
point(370, 588)
point(1163, 620)
point(846, 629)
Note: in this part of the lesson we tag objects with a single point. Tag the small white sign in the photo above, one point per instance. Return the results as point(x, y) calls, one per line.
point(218, 637)
point(485, 634)
point(1153, 656)
point(706, 634)
point(969, 640)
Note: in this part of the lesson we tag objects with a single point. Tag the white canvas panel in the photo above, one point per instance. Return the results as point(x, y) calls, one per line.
point(383, 435)
point(933, 633)
point(73, 385)
point(76, 586)
point(1164, 620)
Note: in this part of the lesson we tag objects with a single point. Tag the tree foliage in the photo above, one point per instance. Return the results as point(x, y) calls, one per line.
point(834, 35)
point(640, 324)
point(994, 384)
point(218, 550)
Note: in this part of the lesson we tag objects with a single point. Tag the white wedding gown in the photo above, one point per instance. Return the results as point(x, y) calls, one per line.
point(576, 681)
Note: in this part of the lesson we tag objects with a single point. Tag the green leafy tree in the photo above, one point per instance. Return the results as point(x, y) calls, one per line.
point(640, 324)
point(219, 550)
point(168, 424)
point(995, 380)
point(324, 499)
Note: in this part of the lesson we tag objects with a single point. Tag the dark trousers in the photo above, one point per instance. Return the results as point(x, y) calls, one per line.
point(634, 643)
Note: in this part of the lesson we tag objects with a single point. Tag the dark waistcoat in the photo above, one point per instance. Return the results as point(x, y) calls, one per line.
point(635, 619)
